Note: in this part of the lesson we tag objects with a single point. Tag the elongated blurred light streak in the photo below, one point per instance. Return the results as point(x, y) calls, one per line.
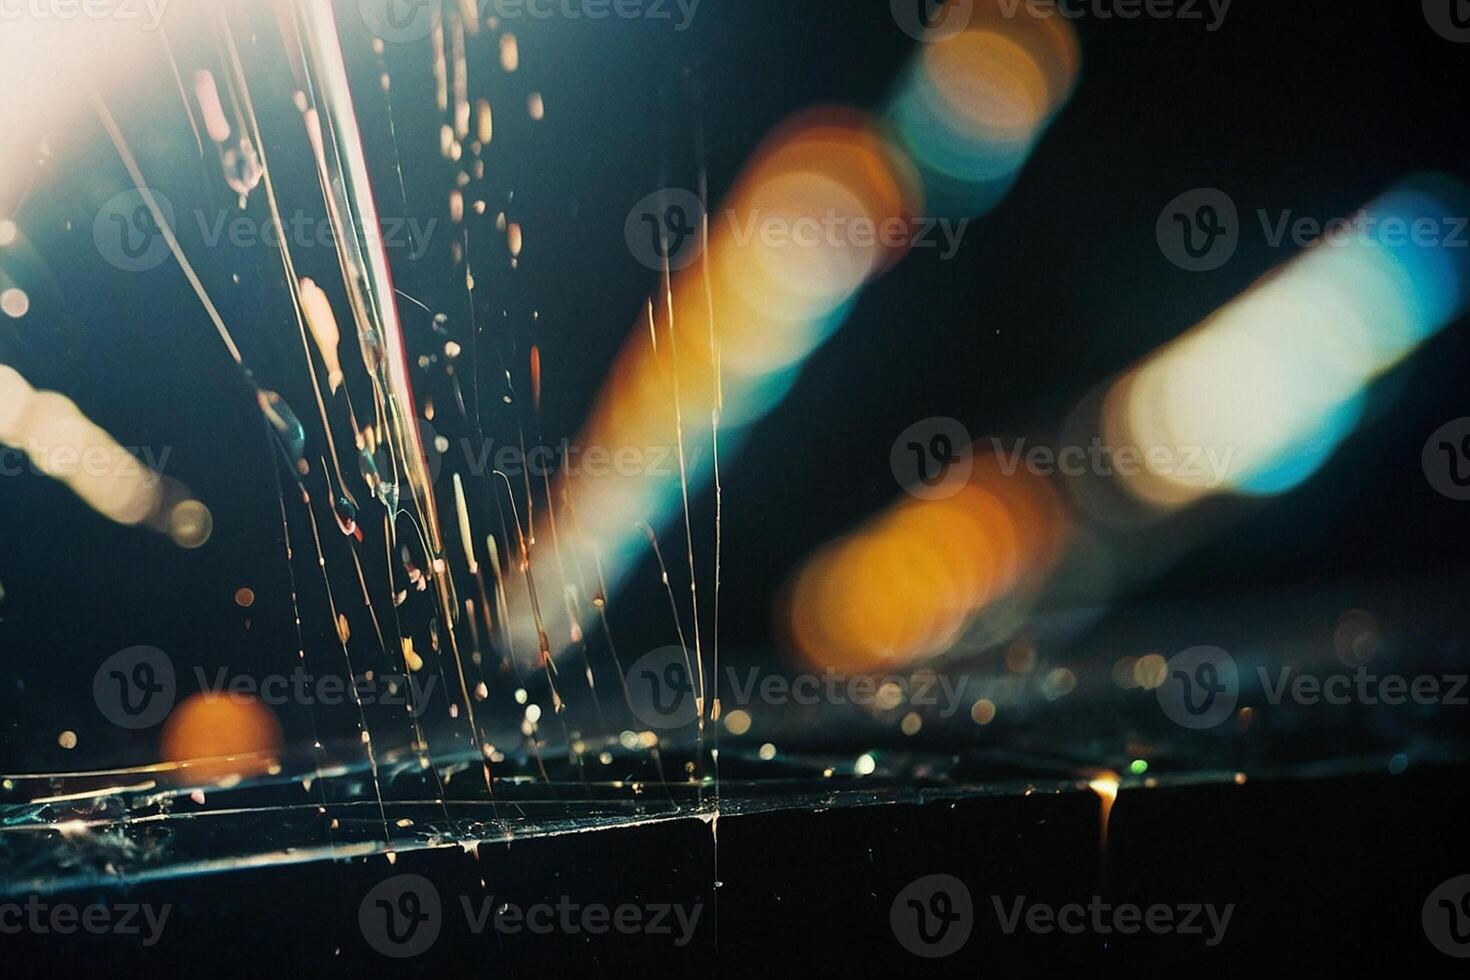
point(772, 305)
point(1275, 381)
point(907, 584)
point(727, 340)
point(65, 445)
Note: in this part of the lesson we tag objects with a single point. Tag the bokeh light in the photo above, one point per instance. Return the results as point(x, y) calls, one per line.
point(221, 736)
point(972, 106)
point(908, 584)
point(62, 443)
point(1275, 380)
point(731, 330)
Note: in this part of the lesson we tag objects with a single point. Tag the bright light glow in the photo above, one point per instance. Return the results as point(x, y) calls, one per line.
point(973, 105)
point(14, 303)
point(64, 444)
point(1276, 379)
point(907, 584)
point(47, 59)
point(774, 301)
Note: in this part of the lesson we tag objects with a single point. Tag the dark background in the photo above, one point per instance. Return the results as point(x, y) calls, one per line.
point(1290, 106)
point(1059, 288)
point(1323, 875)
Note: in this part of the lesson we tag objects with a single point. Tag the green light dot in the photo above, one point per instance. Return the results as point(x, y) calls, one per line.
point(1138, 767)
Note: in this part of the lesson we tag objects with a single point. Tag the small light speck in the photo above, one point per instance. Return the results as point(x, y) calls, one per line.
point(67, 740)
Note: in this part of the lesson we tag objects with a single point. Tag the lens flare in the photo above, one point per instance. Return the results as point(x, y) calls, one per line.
point(908, 584)
point(65, 445)
point(1276, 380)
point(221, 737)
point(972, 106)
point(782, 263)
